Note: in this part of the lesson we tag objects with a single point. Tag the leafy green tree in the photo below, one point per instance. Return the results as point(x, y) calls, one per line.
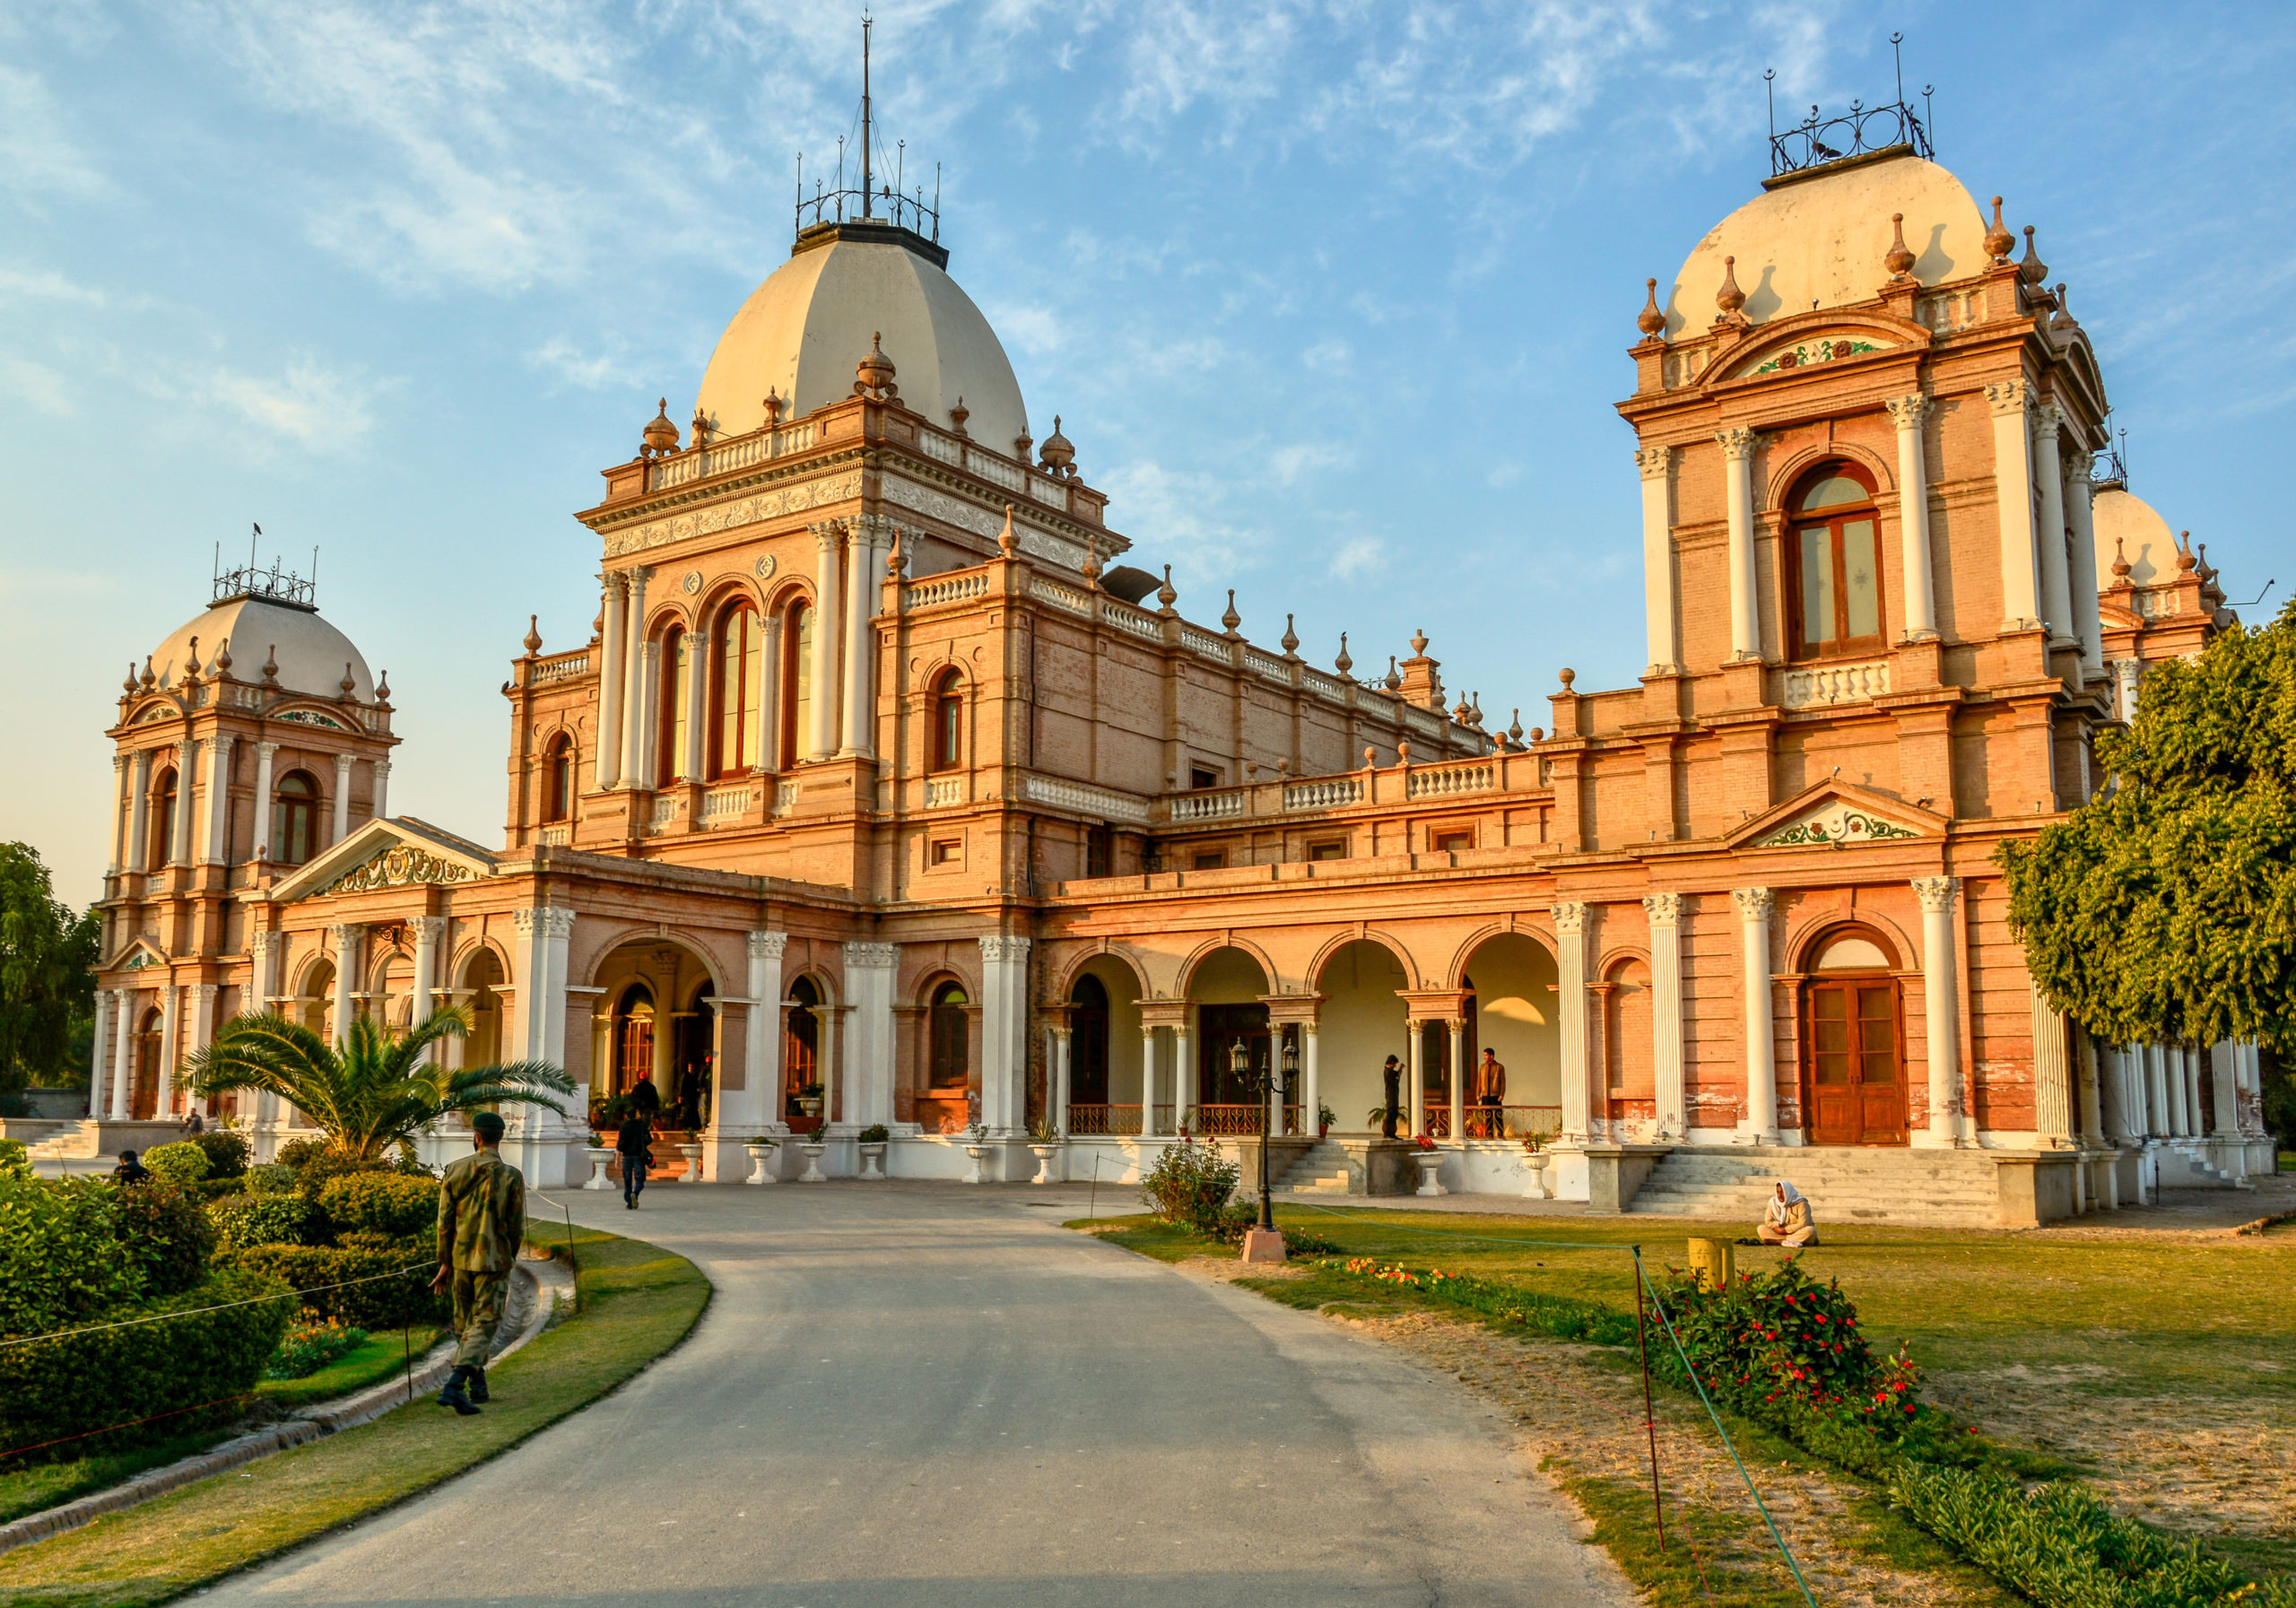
point(47, 959)
point(375, 1092)
point(2165, 908)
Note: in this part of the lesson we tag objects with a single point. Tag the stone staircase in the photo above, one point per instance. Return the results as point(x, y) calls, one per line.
point(1939, 1188)
point(55, 1140)
point(1323, 1170)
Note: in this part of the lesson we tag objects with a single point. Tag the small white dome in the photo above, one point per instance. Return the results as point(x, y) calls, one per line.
point(801, 334)
point(2128, 527)
point(1820, 241)
point(312, 652)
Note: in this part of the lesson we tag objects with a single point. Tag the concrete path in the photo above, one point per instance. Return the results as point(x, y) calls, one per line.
point(925, 1394)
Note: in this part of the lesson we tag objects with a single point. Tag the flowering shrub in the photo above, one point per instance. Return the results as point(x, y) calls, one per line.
point(1509, 1305)
point(309, 1347)
point(1190, 1184)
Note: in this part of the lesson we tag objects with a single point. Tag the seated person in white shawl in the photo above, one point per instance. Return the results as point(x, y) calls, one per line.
point(1787, 1220)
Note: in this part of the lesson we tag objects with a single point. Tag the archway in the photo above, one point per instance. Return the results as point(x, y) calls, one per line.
point(314, 1003)
point(692, 1060)
point(1853, 1037)
point(482, 977)
point(1361, 1021)
point(1104, 1049)
point(1225, 989)
point(1511, 1010)
point(802, 1094)
point(143, 1096)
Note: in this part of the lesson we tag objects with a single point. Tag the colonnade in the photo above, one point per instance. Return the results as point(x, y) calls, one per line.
point(203, 837)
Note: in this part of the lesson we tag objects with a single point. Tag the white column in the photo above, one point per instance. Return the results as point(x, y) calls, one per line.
point(1941, 1010)
point(122, 807)
point(645, 716)
point(1456, 1039)
point(869, 974)
point(2052, 1075)
point(170, 1048)
point(1911, 413)
point(2013, 487)
point(769, 696)
point(428, 931)
point(382, 773)
point(2079, 514)
point(269, 949)
point(343, 939)
point(219, 799)
point(1659, 625)
point(860, 640)
point(633, 683)
point(107, 1014)
point(820, 742)
point(1060, 1081)
point(2089, 1090)
point(2158, 1124)
point(694, 762)
point(186, 760)
point(265, 753)
point(2048, 475)
point(139, 843)
point(2112, 1093)
point(1184, 1075)
point(1311, 1096)
point(763, 1058)
point(1760, 1125)
point(2189, 1058)
point(1003, 1034)
point(203, 1018)
point(829, 1064)
point(1147, 1080)
point(341, 798)
point(613, 628)
point(1415, 1101)
point(2224, 1088)
point(1570, 1001)
point(123, 1049)
point(1745, 615)
point(1664, 911)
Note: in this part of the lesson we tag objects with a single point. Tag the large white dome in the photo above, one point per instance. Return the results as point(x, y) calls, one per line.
point(312, 652)
point(1819, 242)
point(802, 333)
point(2129, 528)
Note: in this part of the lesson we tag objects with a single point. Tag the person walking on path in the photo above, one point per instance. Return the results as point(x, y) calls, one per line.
point(634, 1142)
point(644, 1098)
point(1489, 1086)
point(481, 1224)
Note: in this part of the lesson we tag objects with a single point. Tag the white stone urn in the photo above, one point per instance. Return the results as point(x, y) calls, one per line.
point(872, 1159)
point(978, 1153)
point(761, 1168)
point(812, 1173)
point(1430, 1165)
point(601, 1158)
point(693, 1173)
point(1044, 1153)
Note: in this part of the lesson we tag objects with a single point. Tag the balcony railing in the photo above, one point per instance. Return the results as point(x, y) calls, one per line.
point(1508, 1122)
point(1238, 1122)
point(1104, 1121)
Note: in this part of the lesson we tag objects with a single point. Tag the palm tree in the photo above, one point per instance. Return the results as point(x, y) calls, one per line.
point(377, 1089)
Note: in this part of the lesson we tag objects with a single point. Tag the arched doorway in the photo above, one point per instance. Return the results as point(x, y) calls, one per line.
point(1361, 1021)
point(143, 1096)
point(1511, 1010)
point(1088, 1042)
point(1105, 1049)
point(944, 1093)
point(631, 1037)
point(1229, 1019)
point(693, 1053)
point(1853, 1034)
point(803, 1106)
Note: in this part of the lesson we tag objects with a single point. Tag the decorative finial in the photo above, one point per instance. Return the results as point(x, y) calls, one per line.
point(533, 635)
point(1008, 540)
point(1729, 297)
point(957, 415)
point(1371, 759)
point(773, 406)
point(661, 436)
point(1058, 456)
point(1474, 709)
point(221, 663)
point(191, 660)
point(1515, 729)
point(1419, 643)
point(1092, 565)
point(1229, 617)
point(1897, 260)
point(1343, 664)
point(383, 689)
point(149, 681)
point(2185, 561)
point(1538, 733)
point(1459, 712)
point(2207, 574)
point(895, 559)
point(2064, 319)
point(2031, 270)
point(1395, 678)
point(700, 425)
point(1021, 445)
point(1650, 320)
point(873, 377)
point(1403, 752)
point(1290, 641)
point(129, 684)
point(1166, 593)
point(1999, 239)
point(1567, 676)
point(348, 685)
point(2120, 560)
point(269, 664)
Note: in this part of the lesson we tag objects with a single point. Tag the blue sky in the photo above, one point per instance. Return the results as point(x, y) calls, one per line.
point(1332, 298)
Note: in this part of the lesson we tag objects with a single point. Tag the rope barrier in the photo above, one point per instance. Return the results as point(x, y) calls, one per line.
point(258, 1300)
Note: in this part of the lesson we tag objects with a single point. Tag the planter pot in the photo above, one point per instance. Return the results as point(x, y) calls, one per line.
point(978, 1153)
point(810, 1104)
point(1323, 1130)
point(761, 1168)
point(1430, 1163)
point(872, 1159)
point(600, 1159)
point(1044, 1154)
point(812, 1173)
point(693, 1173)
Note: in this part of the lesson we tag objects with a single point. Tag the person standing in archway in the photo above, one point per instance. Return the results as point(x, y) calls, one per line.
point(1391, 1077)
point(1489, 1088)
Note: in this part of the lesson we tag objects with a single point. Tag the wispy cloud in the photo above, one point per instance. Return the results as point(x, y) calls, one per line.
point(39, 154)
point(308, 403)
point(1358, 557)
point(592, 372)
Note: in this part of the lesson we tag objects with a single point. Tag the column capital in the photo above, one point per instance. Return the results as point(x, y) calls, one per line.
point(1738, 443)
point(1654, 462)
point(2049, 418)
point(638, 575)
point(263, 944)
point(1664, 909)
point(1911, 411)
point(880, 957)
point(382, 765)
point(429, 927)
point(342, 764)
point(264, 751)
point(545, 920)
point(1936, 893)
point(1754, 904)
point(2009, 395)
point(119, 762)
point(994, 949)
point(343, 934)
point(205, 993)
point(826, 533)
point(768, 946)
point(1569, 917)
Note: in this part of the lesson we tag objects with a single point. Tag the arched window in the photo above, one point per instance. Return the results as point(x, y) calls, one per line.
point(796, 681)
point(162, 842)
point(558, 780)
point(1853, 1027)
point(1088, 1043)
point(143, 1096)
point(951, 1066)
point(948, 722)
point(1837, 545)
point(801, 1075)
point(1626, 1043)
point(295, 819)
point(734, 715)
point(677, 677)
point(634, 1038)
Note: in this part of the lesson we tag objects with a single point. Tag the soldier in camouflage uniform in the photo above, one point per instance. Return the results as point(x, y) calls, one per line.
point(482, 1223)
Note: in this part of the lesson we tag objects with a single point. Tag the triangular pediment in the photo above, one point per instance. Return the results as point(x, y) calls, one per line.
point(384, 853)
point(1837, 815)
point(140, 953)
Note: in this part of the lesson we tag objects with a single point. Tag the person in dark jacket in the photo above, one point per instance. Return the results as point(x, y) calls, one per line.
point(645, 1098)
point(130, 1170)
point(1391, 1083)
point(634, 1140)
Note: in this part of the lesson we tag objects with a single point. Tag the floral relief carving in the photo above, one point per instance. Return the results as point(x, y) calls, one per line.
point(397, 865)
point(1840, 824)
point(727, 516)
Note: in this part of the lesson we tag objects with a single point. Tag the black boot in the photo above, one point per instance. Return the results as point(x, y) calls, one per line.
point(455, 1394)
point(478, 1392)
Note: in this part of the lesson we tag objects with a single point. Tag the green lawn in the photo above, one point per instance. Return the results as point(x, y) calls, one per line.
point(381, 1355)
point(636, 1302)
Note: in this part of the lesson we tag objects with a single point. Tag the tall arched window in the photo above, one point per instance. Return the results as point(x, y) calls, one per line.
point(1837, 545)
point(1853, 1027)
point(634, 1038)
point(733, 705)
point(1088, 1043)
point(677, 677)
point(558, 780)
point(796, 681)
point(164, 818)
point(294, 818)
point(948, 722)
point(951, 1066)
point(801, 1049)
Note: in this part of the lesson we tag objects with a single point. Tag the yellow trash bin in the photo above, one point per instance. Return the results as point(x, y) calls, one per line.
point(1710, 1263)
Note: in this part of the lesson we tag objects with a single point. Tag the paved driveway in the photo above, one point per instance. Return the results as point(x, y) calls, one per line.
point(926, 1394)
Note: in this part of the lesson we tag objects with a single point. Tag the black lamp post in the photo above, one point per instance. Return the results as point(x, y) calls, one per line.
point(1263, 1082)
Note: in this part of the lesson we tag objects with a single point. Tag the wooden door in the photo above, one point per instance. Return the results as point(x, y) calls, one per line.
point(1856, 1076)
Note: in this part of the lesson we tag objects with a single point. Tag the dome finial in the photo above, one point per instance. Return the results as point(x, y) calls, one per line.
point(1059, 453)
point(874, 378)
point(347, 684)
point(2120, 560)
point(1730, 299)
point(1229, 617)
point(1650, 321)
point(1344, 663)
point(1997, 239)
point(1166, 594)
point(957, 415)
point(660, 436)
point(2031, 270)
point(533, 635)
point(1291, 640)
point(1897, 259)
point(271, 663)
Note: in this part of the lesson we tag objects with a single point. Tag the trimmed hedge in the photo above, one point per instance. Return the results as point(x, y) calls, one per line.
point(227, 1153)
point(251, 1219)
point(385, 1202)
point(383, 1303)
point(167, 1231)
point(61, 1256)
point(182, 1163)
point(122, 1387)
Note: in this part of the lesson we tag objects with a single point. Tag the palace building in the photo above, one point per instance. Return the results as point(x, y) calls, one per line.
point(886, 791)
